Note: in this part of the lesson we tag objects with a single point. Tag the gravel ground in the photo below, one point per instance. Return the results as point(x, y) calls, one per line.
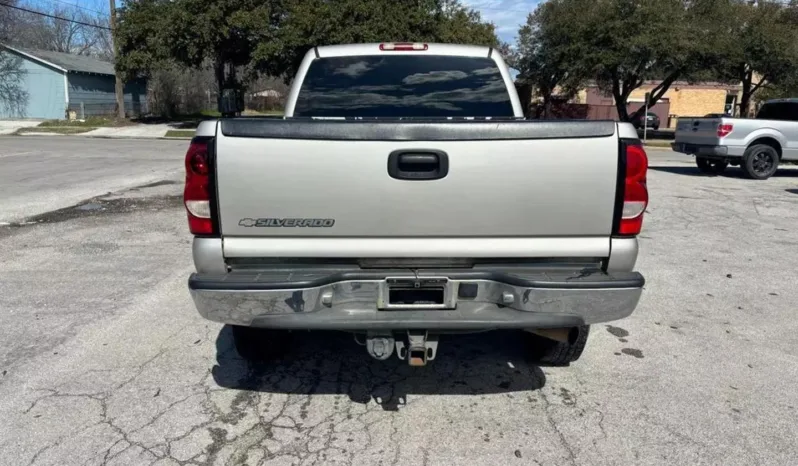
point(105, 361)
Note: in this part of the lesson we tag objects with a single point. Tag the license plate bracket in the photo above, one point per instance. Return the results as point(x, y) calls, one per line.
point(418, 293)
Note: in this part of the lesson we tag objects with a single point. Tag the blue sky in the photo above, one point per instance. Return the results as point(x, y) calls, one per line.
point(507, 15)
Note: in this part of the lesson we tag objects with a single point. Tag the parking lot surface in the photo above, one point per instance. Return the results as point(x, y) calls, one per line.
point(105, 361)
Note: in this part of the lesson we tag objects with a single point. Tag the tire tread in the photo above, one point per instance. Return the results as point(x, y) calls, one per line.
point(554, 353)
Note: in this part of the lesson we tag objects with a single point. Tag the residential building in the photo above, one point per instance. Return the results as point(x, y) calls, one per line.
point(55, 85)
point(681, 100)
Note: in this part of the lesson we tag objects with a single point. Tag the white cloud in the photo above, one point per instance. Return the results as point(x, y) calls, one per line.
point(485, 71)
point(353, 70)
point(435, 77)
point(507, 15)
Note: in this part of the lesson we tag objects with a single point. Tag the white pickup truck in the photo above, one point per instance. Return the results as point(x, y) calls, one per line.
point(757, 145)
point(404, 196)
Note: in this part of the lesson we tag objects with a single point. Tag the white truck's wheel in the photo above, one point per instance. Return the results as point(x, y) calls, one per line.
point(550, 352)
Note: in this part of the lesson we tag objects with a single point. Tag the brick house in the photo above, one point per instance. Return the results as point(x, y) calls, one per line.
point(682, 99)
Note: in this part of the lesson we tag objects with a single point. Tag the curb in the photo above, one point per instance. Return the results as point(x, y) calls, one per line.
point(186, 138)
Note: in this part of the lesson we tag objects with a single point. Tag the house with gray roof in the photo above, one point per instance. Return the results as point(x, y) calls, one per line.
point(55, 85)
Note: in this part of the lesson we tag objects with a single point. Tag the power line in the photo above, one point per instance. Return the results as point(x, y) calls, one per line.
point(56, 17)
point(75, 5)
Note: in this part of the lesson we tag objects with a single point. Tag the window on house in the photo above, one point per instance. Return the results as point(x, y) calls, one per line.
point(731, 102)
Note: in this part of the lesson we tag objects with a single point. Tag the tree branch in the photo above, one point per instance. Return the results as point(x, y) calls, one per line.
point(759, 84)
point(656, 94)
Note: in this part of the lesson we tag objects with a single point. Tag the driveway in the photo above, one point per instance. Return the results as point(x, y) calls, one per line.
point(11, 126)
point(105, 361)
point(133, 131)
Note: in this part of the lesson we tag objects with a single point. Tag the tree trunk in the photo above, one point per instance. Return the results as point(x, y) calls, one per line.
point(745, 96)
point(620, 99)
point(546, 106)
point(656, 93)
point(218, 71)
point(619, 96)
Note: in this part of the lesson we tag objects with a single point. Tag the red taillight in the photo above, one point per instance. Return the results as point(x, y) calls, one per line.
point(197, 195)
point(402, 46)
point(724, 129)
point(635, 193)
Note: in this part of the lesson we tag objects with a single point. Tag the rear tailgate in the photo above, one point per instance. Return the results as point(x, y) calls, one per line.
point(699, 131)
point(315, 188)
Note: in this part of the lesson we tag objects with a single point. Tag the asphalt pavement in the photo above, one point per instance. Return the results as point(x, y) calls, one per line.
point(103, 359)
point(43, 173)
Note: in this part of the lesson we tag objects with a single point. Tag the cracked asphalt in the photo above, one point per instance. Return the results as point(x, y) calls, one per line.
point(104, 361)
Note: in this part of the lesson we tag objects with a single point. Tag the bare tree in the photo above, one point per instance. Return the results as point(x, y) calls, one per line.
point(68, 35)
point(177, 90)
point(13, 98)
point(81, 31)
point(8, 18)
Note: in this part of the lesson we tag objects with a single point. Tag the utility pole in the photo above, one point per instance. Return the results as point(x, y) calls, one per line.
point(120, 88)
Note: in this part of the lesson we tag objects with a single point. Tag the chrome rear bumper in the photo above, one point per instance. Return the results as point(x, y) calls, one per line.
point(356, 300)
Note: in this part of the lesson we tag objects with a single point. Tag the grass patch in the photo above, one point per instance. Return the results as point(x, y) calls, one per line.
point(180, 133)
point(56, 129)
point(91, 122)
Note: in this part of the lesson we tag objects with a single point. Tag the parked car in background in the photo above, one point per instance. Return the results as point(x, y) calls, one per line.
point(393, 201)
point(757, 145)
point(651, 121)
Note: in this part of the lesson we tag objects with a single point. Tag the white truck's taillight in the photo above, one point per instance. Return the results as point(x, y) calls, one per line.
point(635, 192)
point(196, 195)
point(724, 129)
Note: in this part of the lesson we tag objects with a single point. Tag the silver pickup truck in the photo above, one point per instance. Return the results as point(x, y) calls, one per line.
point(404, 196)
point(756, 145)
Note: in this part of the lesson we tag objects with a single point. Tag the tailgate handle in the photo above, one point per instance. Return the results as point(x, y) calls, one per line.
point(418, 164)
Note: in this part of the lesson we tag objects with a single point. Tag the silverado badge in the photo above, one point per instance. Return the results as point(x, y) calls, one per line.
point(287, 222)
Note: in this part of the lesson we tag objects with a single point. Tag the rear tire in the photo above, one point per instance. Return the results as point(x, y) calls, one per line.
point(259, 344)
point(760, 162)
point(710, 166)
point(549, 352)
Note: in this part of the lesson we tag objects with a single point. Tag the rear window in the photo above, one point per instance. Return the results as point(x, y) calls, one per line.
point(779, 111)
point(403, 86)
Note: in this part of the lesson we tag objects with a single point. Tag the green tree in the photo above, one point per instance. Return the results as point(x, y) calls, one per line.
point(141, 36)
point(271, 37)
point(661, 41)
point(546, 57)
point(760, 49)
point(193, 33)
point(308, 23)
point(622, 44)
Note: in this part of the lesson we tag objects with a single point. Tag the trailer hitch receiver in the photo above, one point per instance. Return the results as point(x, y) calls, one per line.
point(419, 349)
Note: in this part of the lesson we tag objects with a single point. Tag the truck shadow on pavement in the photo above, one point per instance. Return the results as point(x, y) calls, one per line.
point(331, 363)
point(731, 172)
